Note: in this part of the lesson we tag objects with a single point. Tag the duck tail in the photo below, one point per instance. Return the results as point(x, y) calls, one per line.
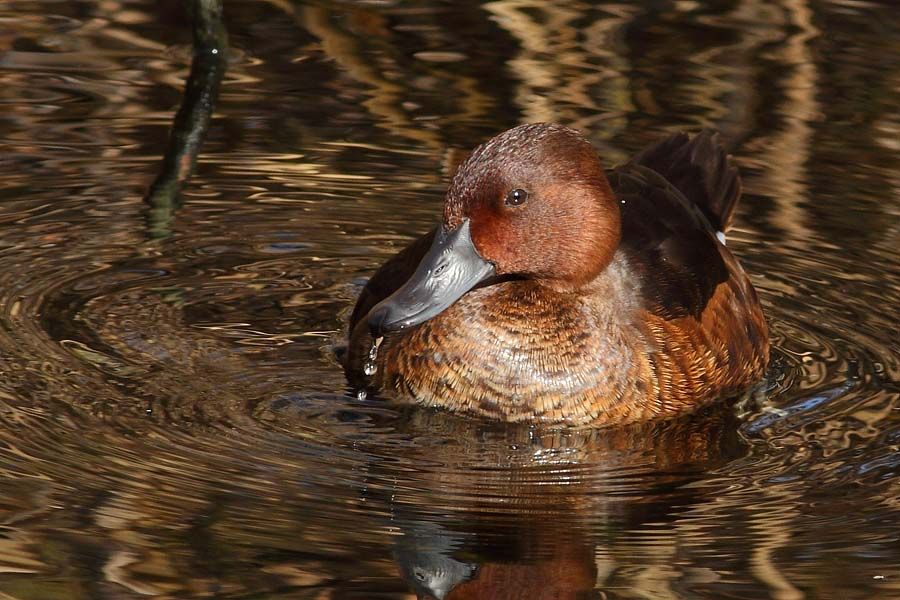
point(701, 169)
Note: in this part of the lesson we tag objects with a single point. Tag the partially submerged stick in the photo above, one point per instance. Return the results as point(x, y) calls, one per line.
point(193, 117)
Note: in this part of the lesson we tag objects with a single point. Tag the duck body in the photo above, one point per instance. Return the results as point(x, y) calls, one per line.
point(603, 297)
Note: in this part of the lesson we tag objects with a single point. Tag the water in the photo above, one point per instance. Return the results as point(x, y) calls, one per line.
point(173, 423)
point(371, 366)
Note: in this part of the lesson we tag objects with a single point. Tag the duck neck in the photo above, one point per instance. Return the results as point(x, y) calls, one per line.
point(605, 278)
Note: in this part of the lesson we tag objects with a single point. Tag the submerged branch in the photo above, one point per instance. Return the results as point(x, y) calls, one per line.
point(193, 117)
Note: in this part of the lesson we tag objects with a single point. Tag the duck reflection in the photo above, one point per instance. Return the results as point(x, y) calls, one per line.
point(505, 512)
point(425, 555)
point(566, 571)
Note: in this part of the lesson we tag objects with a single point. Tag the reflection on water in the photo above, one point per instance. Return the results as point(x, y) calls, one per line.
point(174, 424)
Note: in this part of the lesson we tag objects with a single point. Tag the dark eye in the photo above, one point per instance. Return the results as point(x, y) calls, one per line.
point(516, 197)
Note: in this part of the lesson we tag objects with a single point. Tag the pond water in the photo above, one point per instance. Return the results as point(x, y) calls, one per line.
point(173, 423)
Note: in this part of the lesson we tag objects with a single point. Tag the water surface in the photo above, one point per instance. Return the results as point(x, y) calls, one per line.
point(173, 423)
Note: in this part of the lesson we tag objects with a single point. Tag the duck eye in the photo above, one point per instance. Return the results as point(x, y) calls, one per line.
point(516, 197)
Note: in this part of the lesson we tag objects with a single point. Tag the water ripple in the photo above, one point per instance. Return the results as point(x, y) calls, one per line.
point(173, 422)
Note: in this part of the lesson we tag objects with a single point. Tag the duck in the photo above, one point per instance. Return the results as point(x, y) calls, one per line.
point(557, 291)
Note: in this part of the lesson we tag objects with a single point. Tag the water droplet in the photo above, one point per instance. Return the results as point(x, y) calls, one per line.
point(371, 366)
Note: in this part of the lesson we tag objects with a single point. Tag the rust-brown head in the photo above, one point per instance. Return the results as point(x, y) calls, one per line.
point(531, 202)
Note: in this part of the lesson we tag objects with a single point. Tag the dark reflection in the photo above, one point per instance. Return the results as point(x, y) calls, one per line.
point(506, 512)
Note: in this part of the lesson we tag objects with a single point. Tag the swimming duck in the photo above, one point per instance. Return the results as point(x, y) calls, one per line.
point(555, 291)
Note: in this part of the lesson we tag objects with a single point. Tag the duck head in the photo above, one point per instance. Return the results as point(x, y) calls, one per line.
point(533, 202)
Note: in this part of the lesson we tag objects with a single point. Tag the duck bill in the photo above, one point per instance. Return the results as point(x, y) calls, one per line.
point(450, 268)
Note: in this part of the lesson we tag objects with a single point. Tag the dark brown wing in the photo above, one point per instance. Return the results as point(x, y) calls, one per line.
point(700, 168)
point(669, 242)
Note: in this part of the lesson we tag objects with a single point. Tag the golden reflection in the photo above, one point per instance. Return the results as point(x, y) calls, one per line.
point(770, 519)
point(19, 557)
point(785, 152)
point(387, 82)
point(387, 96)
point(557, 65)
point(390, 81)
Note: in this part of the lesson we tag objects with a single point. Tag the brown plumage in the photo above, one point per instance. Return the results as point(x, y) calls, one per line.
point(604, 297)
